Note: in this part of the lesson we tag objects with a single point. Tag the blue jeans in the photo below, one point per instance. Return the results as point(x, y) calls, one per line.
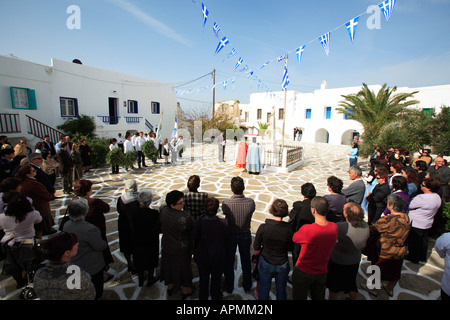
point(353, 162)
point(243, 241)
point(268, 271)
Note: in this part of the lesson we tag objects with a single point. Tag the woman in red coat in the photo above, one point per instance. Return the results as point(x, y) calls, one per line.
point(41, 199)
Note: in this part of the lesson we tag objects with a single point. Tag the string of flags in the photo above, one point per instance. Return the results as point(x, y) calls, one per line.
point(386, 7)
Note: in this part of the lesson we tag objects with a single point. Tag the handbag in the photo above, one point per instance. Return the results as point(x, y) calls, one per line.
point(255, 260)
point(372, 248)
point(64, 219)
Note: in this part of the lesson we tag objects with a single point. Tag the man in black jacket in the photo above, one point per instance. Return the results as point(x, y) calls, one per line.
point(67, 166)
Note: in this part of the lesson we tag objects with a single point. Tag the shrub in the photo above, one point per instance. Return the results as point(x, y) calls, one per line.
point(149, 150)
point(115, 156)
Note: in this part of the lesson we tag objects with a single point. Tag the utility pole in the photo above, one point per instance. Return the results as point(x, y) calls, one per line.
point(214, 92)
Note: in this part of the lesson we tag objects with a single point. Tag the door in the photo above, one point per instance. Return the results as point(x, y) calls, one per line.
point(113, 113)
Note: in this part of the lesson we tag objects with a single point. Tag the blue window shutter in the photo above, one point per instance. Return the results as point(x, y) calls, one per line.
point(11, 89)
point(328, 114)
point(76, 107)
point(32, 99)
point(308, 114)
point(136, 110)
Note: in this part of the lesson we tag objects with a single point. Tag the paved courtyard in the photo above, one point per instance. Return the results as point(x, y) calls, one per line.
point(418, 282)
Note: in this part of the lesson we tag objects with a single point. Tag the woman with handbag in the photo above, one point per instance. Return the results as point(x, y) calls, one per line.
point(274, 238)
point(18, 223)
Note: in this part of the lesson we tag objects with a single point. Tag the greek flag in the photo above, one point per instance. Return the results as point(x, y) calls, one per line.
point(265, 64)
point(238, 63)
point(205, 14)
point(216, 29)
point(387, 7)
point(299, 52)
point(351, 27)
point(232, 53)
point(224, 85)
point(244, 69)
point(175, 129)
point(221, 44)
point(158, 131)
point(325, 41)
point(281, 58)
point(285, 81)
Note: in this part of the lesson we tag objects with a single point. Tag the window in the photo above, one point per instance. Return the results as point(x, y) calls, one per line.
point(269, 117)
point(308, 114)
point(247, 116)
point(155, 107)
point(258, 114)
point(427, 110)
point(23, 98)
point(69, 107)
point(280, 114)
point(346, 115)
point(132, 106)
point(327, 112)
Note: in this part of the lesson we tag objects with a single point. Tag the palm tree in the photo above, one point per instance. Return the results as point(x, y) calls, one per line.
point(374, 112)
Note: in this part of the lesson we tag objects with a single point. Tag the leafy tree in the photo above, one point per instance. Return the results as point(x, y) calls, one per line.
point(375, 111)
point(83, 126)
point(440, 131)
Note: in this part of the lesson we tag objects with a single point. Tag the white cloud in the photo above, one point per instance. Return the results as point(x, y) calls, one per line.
point(150, 21)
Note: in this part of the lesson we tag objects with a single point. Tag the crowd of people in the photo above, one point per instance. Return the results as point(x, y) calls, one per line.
point(134, 142)
point(386, 215)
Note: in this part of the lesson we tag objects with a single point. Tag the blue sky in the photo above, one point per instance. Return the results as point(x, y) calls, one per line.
point(165, 41)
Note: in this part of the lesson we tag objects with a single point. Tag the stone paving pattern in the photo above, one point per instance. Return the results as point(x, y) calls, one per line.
point(418, 281)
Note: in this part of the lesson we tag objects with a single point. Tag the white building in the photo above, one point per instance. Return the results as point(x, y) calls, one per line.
point(35, 99)
point(315, 113)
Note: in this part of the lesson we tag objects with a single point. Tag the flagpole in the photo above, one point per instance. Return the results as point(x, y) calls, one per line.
point(284, 110)
point(214, 92)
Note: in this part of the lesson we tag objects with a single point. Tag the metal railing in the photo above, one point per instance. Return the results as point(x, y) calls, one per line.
point(9, 123)
point(40, 130)
point(110, 119)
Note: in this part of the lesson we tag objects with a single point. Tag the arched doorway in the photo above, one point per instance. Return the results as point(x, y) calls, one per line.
point(322, 135)
point(347, 136)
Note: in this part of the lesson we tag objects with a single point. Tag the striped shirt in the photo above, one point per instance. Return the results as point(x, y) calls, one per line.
point(238, 210)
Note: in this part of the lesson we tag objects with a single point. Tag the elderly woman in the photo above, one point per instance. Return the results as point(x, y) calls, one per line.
point(95, 215)
point(393, 230)
point(210, 236)
point(127, 204)
point(274, 238)
point(41, 199)
point(176, 245)
point(346, 255)
point(146, 230)
point(50, 281)
point(90, 243)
